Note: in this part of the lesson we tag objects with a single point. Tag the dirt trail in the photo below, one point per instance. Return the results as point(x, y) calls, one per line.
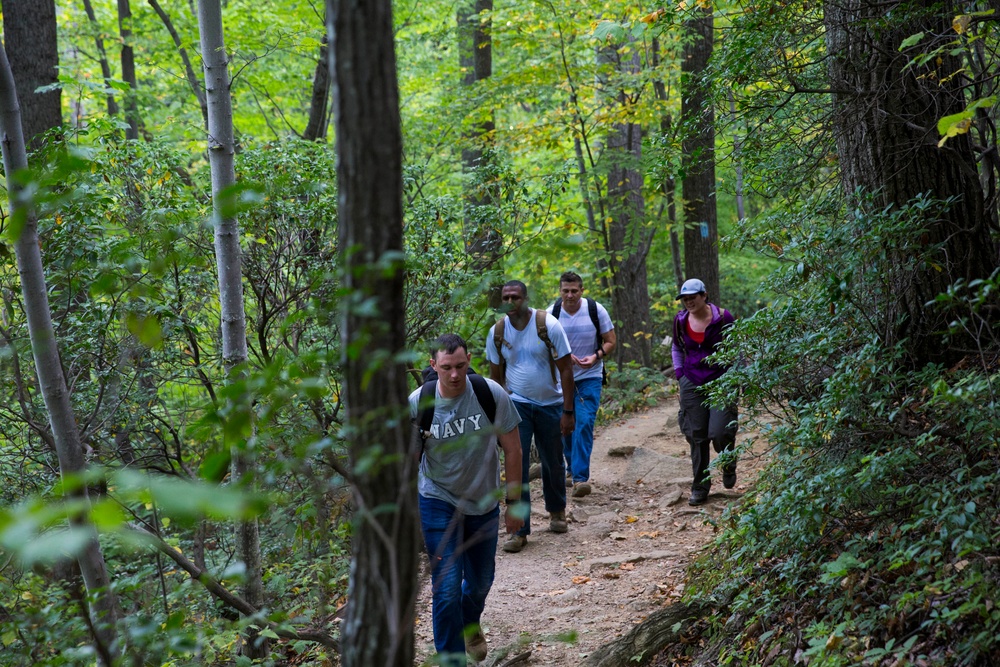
point(628, 545)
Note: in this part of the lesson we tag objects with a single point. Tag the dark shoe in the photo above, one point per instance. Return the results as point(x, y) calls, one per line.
point(515, 543)
point(475, 646)
point(569, 479)
point(729, 479)
point(698, 497)
point(557, 522)
point(581, 489)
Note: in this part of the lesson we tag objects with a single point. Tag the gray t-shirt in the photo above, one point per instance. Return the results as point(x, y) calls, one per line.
point(461, 463)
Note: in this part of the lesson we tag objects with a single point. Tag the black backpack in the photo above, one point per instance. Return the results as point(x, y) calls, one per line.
point(425, 404)
point(592, 311)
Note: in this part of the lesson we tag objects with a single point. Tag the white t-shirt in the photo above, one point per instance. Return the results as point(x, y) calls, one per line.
point(529, 378)
point(461, 463)
point(582, 337)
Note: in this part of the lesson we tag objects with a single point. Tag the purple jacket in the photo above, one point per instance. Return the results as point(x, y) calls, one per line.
point(689, 356)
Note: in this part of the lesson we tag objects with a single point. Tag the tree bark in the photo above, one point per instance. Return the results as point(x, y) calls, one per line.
point(378, 628)
point(316, 127)
point(886, 134)
point(221, 154)
point(128, 69)
point(644, 641)
point(48, 367)
point(29, 28)
point(701, 233)
point(628, 235)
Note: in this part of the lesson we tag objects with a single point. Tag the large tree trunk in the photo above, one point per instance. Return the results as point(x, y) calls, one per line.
point(29, 29)
point(69, 448)
point(885, 120)
point(221, 154)
point(128, 69)
point(378, 628)
point(483, 241)
point(701, 234)
point(629, 236)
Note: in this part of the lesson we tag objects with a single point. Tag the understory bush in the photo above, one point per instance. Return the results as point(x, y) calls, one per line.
point(874, 536)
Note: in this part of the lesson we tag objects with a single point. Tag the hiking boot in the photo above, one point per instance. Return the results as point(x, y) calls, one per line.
point(569, 479)
point(557, 522)
point(475, 646)
point(515, 543)
point(698, 497)
point(729, 478)
point(581, 489)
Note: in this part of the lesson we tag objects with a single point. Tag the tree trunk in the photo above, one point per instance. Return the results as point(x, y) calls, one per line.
point(316, 127)
point(886, 135)
point(641, 644)
point(483, 241)
point(221, 154)
point(192, 78)
point(629, 236)
point(701, 234)
point(128, 69)
point(102, 56)
point(670, 182)
point(378, 628)
point(29, 29)
point(69, 448)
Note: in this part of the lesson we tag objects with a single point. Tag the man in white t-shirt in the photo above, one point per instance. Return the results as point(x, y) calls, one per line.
point(534, 363)
point(458, 489)
point(592, 336)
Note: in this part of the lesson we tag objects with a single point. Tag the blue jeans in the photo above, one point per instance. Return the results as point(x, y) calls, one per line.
point(578, 446)
point(462, 549)
point(542, 422)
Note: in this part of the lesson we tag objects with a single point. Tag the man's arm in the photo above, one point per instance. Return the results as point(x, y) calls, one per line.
point(608, 342)
point(496, 374)
point(568, 421)
point(510, 443)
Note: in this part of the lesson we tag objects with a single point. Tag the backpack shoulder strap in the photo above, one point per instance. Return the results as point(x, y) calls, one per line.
point(484, 396)
point(556, 308)
point(592, 311)
point(543, 335)
point(425, 405)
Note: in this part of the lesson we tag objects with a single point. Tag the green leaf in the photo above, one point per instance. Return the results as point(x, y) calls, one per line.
point(146, 329)
point(911, 40)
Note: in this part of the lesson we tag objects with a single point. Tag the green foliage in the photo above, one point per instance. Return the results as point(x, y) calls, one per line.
point(630, 388)
point(875, 532)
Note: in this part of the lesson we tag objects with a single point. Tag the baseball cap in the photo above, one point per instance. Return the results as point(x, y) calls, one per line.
point(691, 286)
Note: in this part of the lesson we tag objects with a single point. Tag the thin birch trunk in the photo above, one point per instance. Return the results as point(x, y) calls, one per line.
point(222, 156)
point(69, 449)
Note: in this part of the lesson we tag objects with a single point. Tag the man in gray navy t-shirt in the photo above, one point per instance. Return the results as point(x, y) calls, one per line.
point(459, 489)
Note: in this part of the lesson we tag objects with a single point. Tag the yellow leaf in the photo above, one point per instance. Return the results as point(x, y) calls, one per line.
point(631, 519)
point(961, 23)
point(581, 579)
point(26, 595)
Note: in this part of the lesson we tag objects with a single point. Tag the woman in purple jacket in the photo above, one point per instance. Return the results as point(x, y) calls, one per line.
point(698, 329)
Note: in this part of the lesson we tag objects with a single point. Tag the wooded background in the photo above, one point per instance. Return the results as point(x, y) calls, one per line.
point(230, 227)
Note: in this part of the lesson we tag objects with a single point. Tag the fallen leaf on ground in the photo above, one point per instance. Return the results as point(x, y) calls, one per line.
point(631, 519)
point(627, 566)
point(580, 579)
point(649, 533)
point(612, 575)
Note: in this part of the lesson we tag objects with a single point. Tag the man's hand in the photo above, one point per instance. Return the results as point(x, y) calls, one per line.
point(586, 362)
point(567, 423)
point(513, 517)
